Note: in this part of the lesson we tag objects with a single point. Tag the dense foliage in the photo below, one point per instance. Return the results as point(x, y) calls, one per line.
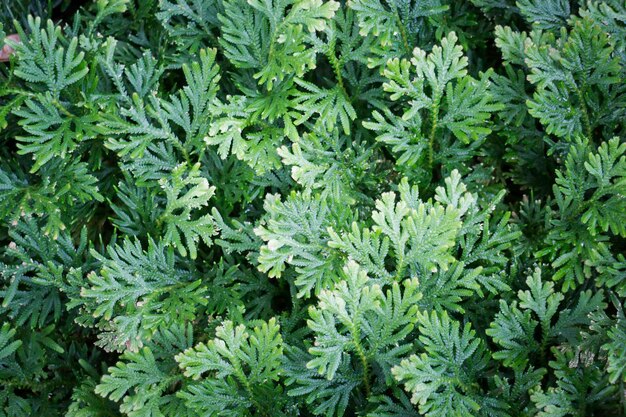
point(380, 208)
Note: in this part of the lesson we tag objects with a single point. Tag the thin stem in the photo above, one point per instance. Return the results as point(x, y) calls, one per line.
point(334, 62)
point(176, 143)
point(434, 118)
point(20, 92)
point(402, 29)
point(241, 376)
point(62, 108)
point(400, 267)
point(583, 111)
point(364, 363)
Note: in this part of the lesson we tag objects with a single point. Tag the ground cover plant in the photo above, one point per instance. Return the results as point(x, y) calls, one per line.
point(381, 208)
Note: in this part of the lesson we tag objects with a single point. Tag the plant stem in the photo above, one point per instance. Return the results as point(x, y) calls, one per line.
point(583, 111)
point(434, 118)
point(402, 29)
point(334, 62)
point(62, 108)
point(359, 350)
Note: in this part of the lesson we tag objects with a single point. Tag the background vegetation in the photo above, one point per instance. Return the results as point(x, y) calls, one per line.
point(307, 207)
